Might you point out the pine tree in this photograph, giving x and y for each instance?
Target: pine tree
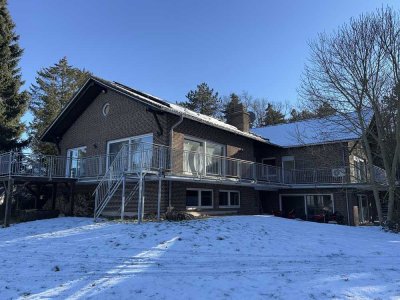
(300, 115)
(54, 87)
(233, 104)
(13, 102)
(273, 115)
(203, 100)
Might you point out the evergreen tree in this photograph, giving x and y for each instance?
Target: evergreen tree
(324, 110)
(300, 115)
(233, 104)
(273, 115)
(13, 102)
(203, 100)
(54, 87)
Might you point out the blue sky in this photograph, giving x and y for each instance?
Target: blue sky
(166, 48)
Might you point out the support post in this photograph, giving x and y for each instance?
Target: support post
(71, 197)
(140, 198)
(53, 196)
(96, 197)
(9, 192)
(143, 196)
(355, 216)
(159, 200)
(123, 198)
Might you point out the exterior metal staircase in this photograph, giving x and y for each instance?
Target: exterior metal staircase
(110, 183)
(114, 207)
(120, 185)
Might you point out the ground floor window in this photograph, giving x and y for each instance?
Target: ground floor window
(229, 198)
(199, 198)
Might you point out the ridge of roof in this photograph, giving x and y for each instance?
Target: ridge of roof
(163, 105)
(329, 129)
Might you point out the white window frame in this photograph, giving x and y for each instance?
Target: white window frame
(199, 198)
(129, 139)
(69, 162)
(204, 153)
(360, 197)
(357, 171)
(265, 172)
(229, 199)
(284, 159)
(305, 200)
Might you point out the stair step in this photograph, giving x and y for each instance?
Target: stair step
(118, 214)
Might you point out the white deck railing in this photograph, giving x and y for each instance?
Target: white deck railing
(180, 163)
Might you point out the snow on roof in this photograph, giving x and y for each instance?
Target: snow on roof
(179, 110)
(315, 131)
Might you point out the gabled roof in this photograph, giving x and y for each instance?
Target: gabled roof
(315, 131)
(94, 86)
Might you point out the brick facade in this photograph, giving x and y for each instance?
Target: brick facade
(128, 117)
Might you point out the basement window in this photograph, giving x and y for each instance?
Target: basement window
(229, 198)
(199, 198)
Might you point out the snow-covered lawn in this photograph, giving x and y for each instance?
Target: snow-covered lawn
(240, 257)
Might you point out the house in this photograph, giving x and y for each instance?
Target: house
(133, 154)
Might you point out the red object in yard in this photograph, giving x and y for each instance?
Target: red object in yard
(291, 214)
(277, 213)
(318, 218)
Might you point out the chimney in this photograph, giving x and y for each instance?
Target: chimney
(237, 115)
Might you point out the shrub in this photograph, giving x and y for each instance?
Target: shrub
(174, 215)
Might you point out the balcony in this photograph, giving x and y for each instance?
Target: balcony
(178, 164)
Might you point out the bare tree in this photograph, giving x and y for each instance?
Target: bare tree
(348, 71)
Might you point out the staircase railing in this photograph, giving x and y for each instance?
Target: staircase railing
(110, 182)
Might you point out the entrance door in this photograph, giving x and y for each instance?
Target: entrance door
(288, 166)
(293, 205)
(75, 164)
(363, 209)
(193, 157)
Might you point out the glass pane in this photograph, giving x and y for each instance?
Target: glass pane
(114, 148)
(223, 199)
(206, 198)
(213, 158)
(192, 198)
(75, 166)
(141, 151)
(288, 167)
(319, 204)
(192, 157)
(234, 198)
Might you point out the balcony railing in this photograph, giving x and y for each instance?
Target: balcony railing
(181, 163)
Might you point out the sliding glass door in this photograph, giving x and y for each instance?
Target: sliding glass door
(139, 151)
(202, 157)
(193, 157)
(214, 154)
(75, 165)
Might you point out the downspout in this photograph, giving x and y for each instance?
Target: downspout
(171, 136)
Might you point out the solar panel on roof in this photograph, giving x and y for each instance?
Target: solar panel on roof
(155, 99)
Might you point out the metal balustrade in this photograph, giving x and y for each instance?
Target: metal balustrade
(169, 161)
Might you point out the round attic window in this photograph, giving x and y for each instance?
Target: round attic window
(106, 109)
